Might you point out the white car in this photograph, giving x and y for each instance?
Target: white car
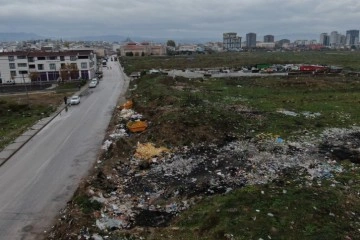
(95, 80)
(92, 84)
(74, 100)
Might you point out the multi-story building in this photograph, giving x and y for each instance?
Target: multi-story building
(231, 42)
(142, 49)
(334, 39)
(281, 42)
(352, 37)
(27, 66)
(251, 40)
(325, 39)
(269, 38)
(342, 40)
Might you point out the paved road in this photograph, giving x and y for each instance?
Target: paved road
(40, 178)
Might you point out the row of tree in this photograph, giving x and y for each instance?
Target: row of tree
(67, 71)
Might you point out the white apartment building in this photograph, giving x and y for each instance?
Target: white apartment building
(21, 66)
(231, 42)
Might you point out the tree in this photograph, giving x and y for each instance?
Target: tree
(64, 72)
(69, 71)
(171, 43)
(34, 76)
(74, 71)
(66, 44)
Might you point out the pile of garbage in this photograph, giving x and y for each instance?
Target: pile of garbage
(157, 183)
(129, 121)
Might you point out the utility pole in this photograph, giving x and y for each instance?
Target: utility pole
(27, 94)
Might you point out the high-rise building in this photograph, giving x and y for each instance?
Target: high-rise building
(251, 40)
(269, 38)
(352, 37)
(334, 39)
(342, 40)
(231, 42)
(325, 39)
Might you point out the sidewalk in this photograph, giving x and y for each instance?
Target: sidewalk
(25, 137)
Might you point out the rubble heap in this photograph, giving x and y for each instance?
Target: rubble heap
(151, 193)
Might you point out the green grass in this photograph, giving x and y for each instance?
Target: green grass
(347, 60)
(181, 110)
(291, 210)
(244, 105)
(86, 205)
(70, 86)
(16, 118)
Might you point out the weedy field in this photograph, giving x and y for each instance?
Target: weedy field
(251, 157)
(20, 111)
(348, 60)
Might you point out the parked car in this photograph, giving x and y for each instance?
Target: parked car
(95, 80)
(74, 100)
(9, 82)
(93, 84)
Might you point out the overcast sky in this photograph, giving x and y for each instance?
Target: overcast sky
(177, 18)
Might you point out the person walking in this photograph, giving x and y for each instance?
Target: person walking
(65, 100)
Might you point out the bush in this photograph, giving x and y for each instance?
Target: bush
(86, 205)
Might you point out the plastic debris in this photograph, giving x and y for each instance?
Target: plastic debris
(127, 105)
(137, 126)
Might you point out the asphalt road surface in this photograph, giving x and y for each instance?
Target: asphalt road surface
(40, 178)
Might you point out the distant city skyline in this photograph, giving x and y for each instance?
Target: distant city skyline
(177, 19)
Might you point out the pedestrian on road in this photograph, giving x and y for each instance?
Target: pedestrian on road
(79, 86)
(65, 100)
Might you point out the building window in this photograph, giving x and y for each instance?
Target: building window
(41, 58)
(22, 64)
(30, 59)
(12, 65)
(13, 73)
(40, 66)
(11, 58)
(53, 58)
(52, 66)
(73, 58)
(62, 58)
(23, 72)
(84, 65)
(32, 66)
(21, 57)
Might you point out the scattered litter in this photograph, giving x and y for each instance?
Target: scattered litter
(127, 105)
(288, 113)
(106, 145)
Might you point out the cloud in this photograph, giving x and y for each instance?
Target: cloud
(177, 18)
